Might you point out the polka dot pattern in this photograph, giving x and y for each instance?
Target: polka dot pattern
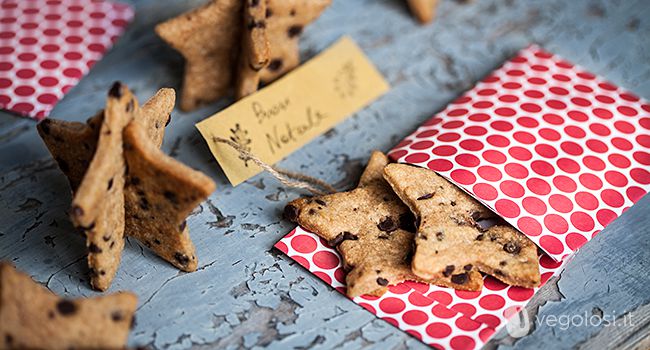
(556, 151)
(46, 47)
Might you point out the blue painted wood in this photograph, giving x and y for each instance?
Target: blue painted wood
(245, 294)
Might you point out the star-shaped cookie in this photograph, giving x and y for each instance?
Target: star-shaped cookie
(32, 317)
(256, 38)
(370, 228)
(456, 232)
(423, 10)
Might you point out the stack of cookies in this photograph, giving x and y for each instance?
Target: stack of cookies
(124, 185)
(407, 223)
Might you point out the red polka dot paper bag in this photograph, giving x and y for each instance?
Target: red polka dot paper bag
(556, 151)
(47, 46)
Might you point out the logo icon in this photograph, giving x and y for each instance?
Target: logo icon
(519, 324)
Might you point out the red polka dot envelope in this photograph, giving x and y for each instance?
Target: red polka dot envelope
(557, 152)
(47, 46)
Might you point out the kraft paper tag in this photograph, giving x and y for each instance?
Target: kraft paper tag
(287, 114)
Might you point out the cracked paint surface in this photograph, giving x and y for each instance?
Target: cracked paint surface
(244, 293)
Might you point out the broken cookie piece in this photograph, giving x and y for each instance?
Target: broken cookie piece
(423, 10)
(369, 227)
(32, 317)
(457, 233)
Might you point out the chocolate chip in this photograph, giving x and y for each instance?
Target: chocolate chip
(503, 263)
(110, 184)
(467, 267)
(452, 203)
(106, 238)
(256, 24)
(499, 272)
(182, 225)
(116, 316)
(269, 12)
(102, 272)
(157, 241)
(116, 90)
(111, 245)
(421, 236)
(92, 272)
(181, 258)
(459, 279)
(345, 235)
(169, 119)
(493, 237)
(135, 180)
(512, 248)
(275, 64)
(387, 225)
(77, 211)
(440, 235)
(293, 12)
(407, 222)
(382, 281)
(448, 270)
(426, 196)
(171, 196)
(144, 203)
(63, 165)
(45, 126)
(294, 31)
(321, 202)
(255, 3)
(291, 213)
(66, 307)
(133, 322)
(9, 339)
(311, 211)
(480, 237)
(93, 248)
(50, 314)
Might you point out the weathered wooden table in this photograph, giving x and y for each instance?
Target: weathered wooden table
(246, 294)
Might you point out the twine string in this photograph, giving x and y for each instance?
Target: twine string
(288, 178)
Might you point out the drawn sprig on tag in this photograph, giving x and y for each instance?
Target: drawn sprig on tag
(240, 136)
(345, 80)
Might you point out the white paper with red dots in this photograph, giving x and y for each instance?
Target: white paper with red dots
(556, 151)
(47, 46)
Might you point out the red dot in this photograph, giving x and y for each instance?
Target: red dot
(520, 294)
(464, 294)
(340, 274)
(396, 155)
(475, 130)
(479, 117)
(612, 198)
(512, 85)
(586, 200)
(615, 178)
(492, 302)
(464, 308)
(507, 208)
(391, 305)
(485, 334)
(582, 221)
(515, 72)
(579, 101)
(571, 148)
(549, 134)
(586, 76)
(629, 97)
(432, 121)
(418, 299)
(627, 111)
(323, 276)
(426, 133)
(99, 48)
(560, 203)
(597, 146)
(618, 160)
(501, 125)
(302, 261)
(4, 100)
(593, 163)
(516, 170)
(372, 309)
(486, 92)
(49, 64)
(538, 186)
(556, 224)
(453, 124)
(440, 165)
(575, 240)
(48, 99)
(441, 297)
(512, 189)
(326, 260)
(401, 288)
(529, 226)
(492, 283)
(546, 151)
(643, 140)
(498, 140)
(548, 263)
(444, 150)
(520, 153)
(457, 112)
(508, 98)
(494, 157)
(591, 181)
(485, 191)
(528, 122)
(421, 145)
(482, 104)
(605, 216)
(578, 116)
(416, 158)
(555, 104)
(448, 137)
(542, 168)
(531, 107)
(467, 324)
(602, 113)
(553, 119)
(489, 173)
(442, 312)
(599, 129)
(23, 107)
(462, 342)
(505, 111)
(303, 244)
(564, 183)
(575, 131)
(489, 320)
(463, 177)
(524, 137)
(635, 193)
(24, 90)
(622, 144)
(624, 127)
(642, 157)
(551, 245)
(471, 145)
(438, 330)
(72, 73)
(559, 91)
(415, 317)
(537, 81)
(561, 77)
(467, 160)
(534, 205)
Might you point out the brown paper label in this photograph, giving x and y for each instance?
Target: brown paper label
(287, 114)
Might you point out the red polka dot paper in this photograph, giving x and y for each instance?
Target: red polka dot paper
(47, 46)
(555, 150)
